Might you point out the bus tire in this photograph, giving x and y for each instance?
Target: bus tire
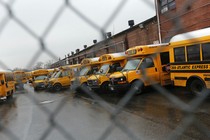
(139, 90)
(57, 87)
(196, 86)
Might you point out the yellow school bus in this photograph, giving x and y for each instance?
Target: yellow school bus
(145, 63)
(88, 67)
(20, 77)
(51, 75)
(63, 77)
(39, 77)
(7, 84)
(190, 60)
(109, 64)
(28, 75)
(52, 71)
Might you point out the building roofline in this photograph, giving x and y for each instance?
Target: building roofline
(126, 30)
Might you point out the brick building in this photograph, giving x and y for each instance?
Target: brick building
(179, 16)
(175, 17)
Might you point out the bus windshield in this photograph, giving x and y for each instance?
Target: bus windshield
(58, 74)
(75, 71)
(103, 69)
(83, 71)
(132, 64)
(53, 75)
(42, 77)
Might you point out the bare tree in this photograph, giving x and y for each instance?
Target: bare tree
(48, 64)
(38, 65)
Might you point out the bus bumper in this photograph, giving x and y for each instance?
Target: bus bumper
(119, 87)
(40, 86)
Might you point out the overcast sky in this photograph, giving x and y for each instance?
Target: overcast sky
(17, 46)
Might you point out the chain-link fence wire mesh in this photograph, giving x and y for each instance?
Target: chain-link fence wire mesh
(188, 108)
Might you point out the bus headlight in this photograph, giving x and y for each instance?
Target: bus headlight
(95, 82)
(121, 80)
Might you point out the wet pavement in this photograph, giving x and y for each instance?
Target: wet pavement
(66, 115)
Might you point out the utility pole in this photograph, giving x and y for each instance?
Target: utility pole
(158, 21)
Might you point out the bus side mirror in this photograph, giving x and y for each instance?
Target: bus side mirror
(2, 82)
(95, 69)
(166, 68)
(118, 68)
(101, 70)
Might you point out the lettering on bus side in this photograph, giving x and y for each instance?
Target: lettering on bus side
(200, 67)
(187, 67)
(191, 67)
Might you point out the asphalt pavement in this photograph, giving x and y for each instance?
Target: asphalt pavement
(65, 115)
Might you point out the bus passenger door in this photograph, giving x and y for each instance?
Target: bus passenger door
(165, 69)
(65, 78)
(151, 70)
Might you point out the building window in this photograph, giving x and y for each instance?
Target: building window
(166, 5)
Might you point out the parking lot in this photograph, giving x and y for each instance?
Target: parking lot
(67, 115)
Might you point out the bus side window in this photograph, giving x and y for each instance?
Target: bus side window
(164, 58)
(206, 51)
(93, 70)
(193, 52)
(179, 54)
(147, 63)
(113, 67)
(65, 73)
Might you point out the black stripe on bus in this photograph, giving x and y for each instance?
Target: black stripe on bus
(190, 71)
(192, 62)
(180, 78)
(207, 79)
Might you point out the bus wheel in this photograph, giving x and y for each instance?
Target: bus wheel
(57, 87)
(196, 86)
(138, 86)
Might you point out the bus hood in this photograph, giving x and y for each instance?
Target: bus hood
(94, 77)
(117, 74)
(52, 79)
(39, 81)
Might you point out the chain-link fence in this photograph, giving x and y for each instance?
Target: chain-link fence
(188, 109)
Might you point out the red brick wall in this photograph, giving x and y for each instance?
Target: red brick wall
(147, 35)
(185, 18)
